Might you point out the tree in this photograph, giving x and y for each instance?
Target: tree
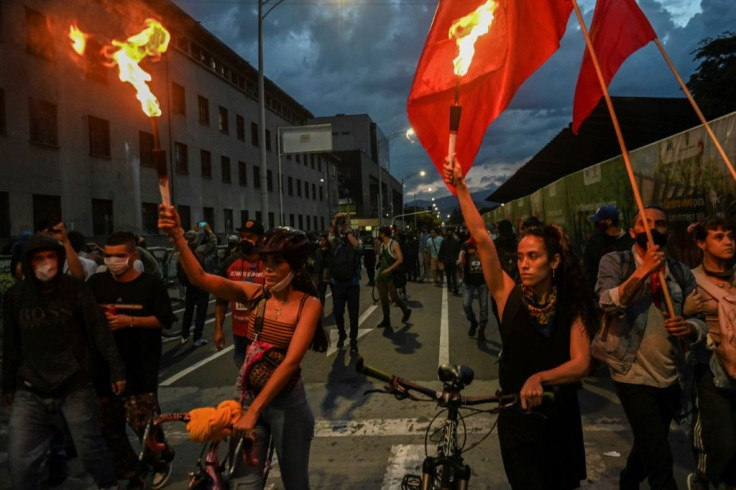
(713, 84)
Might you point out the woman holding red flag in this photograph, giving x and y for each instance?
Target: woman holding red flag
(544, 325)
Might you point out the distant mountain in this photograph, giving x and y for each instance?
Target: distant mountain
(447, 204)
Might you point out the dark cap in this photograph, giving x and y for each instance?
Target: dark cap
(605, 212)
(252, 226)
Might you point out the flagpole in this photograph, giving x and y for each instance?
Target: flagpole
(624, 151)
(689, 96)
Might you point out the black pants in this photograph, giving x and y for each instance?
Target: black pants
(649, 411)
(717, 429)
(350, 294)
(451, 274)
(198, 298)
(369, 261)
(412, 267)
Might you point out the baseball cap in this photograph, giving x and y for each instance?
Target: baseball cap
(252, 226)
(605, 212)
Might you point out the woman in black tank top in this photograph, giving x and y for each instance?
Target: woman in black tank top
(546, 344)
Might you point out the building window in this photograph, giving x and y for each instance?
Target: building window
(102, 221)
(271, 220)
(181, 158)
(205, 158)
(95, 69)
(306, 190)
(99, 137)
(225, 165)
(256, 177)
(185, 213)
(243, 217)
(4, 214)
(3, 128)
(46, 211)
(314, 220)
(268, 140)
(44, 129)
(240, 127)
(145, 148)
(242, 174)
(228, 215)
(291, 220)
(178, 99)
(298, 159)
(322, 222)
(290, 185)
(299, 187)
(222, 120)
(311, 161)
(39, 40)
(314, 192)
(259, 217)
(254, 133)
(149, 215)
(269, 180)
(208, 215)
(301, 222)
(321, 194)
(319, 164)
(204, 110)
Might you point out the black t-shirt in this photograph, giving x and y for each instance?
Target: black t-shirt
(599, 245)
(472, 268)
(139, 347)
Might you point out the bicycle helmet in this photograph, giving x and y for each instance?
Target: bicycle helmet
(290, 244)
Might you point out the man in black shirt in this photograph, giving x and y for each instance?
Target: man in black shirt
(137, 307)
(607, 238)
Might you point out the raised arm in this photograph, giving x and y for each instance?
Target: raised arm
(499, 283)
(169, 223)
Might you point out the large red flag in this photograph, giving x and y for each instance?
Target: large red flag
(524, 33)
(619, 28)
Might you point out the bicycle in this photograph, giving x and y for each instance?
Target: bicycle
(212, 473)
(446, 470)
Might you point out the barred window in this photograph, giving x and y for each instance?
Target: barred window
(205, 158)
(44, 129)
(181, 158)
(99, 137)
(204, 110)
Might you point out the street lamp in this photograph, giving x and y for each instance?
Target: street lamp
(262, 106)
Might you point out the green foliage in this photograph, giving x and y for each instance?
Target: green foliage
(714, 82)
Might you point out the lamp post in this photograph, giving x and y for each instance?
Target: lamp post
(408, 134)
(262, 107)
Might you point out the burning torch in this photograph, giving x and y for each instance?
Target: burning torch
(466, 31)
(151, 42)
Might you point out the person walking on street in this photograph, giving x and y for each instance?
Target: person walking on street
(390, 259)
(369, 258)
(424, 271)
(474, 282)
(52, 332)
(434, 242)
(345, 277)
(195, 298)
(607, 238)
(449, 252)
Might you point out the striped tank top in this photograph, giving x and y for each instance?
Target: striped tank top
(274, 332)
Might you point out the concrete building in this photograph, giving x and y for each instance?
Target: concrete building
(75, 144)
(360, 145)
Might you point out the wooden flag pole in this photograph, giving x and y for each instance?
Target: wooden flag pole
(689, 96)
(624, 151)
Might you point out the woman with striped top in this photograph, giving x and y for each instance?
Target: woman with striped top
(292, 323)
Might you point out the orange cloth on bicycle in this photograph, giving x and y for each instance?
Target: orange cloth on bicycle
(213, 424)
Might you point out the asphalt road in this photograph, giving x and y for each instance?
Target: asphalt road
(370, 441)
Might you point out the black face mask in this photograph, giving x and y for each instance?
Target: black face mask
(659, 239)
(246, 247)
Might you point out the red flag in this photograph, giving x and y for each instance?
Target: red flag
(619, 28)
(524, 33)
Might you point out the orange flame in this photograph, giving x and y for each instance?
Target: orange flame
(78, 38)
(466, 31)
(150, 42)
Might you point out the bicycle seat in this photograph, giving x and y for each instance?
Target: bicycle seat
(456, 374)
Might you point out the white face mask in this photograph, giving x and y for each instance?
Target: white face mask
(46, 270)
(116, 265)
(283, 283)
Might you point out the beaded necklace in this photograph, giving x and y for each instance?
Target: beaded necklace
(541, 314)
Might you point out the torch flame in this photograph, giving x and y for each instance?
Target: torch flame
(466, 31)
(78, 38)
(152, 41)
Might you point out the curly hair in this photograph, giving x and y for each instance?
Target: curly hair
(573, 295)
(699, 229)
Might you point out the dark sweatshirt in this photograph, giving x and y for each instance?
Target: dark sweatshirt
(52, 329)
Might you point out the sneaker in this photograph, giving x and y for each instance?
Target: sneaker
(407, 314)
(341, 340)
(694, 482)
(481, 333)
(183, 340)
(353, 347)
(472, 329)
(384, 324)
(199, 343)
(161, 474)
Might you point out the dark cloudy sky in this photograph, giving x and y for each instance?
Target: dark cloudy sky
(359, 56)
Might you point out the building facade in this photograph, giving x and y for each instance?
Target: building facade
(75, 144)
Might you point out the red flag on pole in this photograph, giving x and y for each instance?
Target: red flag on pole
(524, 33)
(619, 28)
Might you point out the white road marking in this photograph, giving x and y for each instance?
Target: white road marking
(166, 340)
(361, 331)
(444, 331)
(181, 310)
(198, 365)
(404, 459)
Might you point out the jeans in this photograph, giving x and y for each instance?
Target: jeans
(289, 421)
(718, 426)
(350, 294)
(200, 299)
(649, 411)
(34, 420)
(386, 289)
(468, 291)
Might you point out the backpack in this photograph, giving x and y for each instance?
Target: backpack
(344, 262)
(726, 350)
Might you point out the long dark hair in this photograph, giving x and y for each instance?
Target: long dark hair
(573, 297)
